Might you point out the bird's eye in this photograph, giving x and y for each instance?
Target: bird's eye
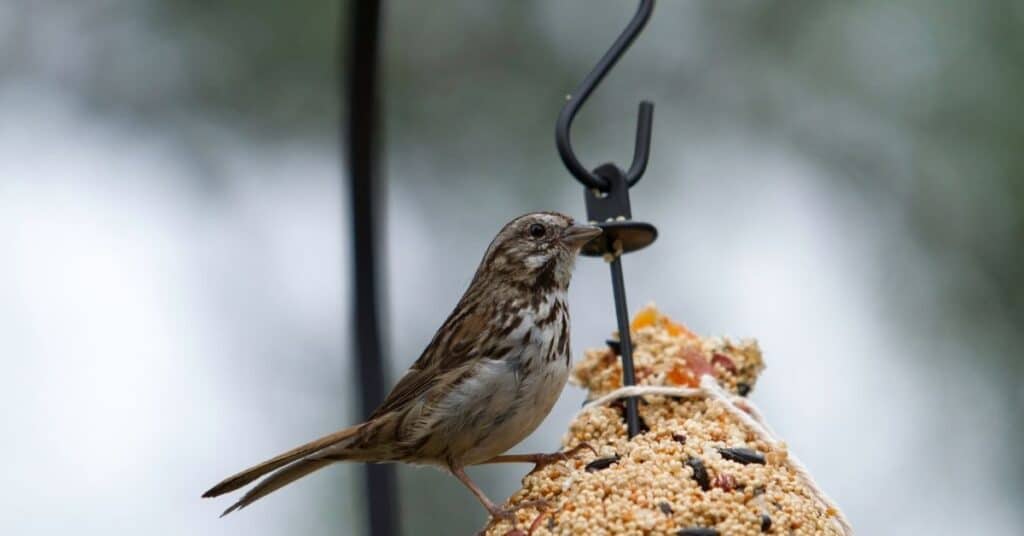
(537, 230)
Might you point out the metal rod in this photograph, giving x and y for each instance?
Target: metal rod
(565, 118)
(362, 152)
(625, 345)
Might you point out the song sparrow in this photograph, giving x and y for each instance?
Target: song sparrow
(487, 379)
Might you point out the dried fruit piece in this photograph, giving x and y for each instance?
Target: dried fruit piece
(700, 473)
(665, 507)
(766, 523)
(646, 317)
(601, 463)
(743, 388)
(724, 361)
(678, 330)
(697, 363)
(742, 455)
(682, 376)
(726, 482)
(697, 531)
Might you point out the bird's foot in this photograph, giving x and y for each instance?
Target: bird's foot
(537, 520)
(541, 461)
(509, 514)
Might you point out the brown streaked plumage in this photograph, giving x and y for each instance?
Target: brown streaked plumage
(487, 379)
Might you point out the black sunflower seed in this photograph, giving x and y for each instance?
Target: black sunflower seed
(665, 507)
(642, 425)
(601, 463)
(679, 438)
(697, 531)
(743, 388)
(766, 523)
(742, 455)
(614, 345)
(700, 473)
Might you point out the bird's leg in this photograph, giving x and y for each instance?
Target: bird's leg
(496, 511)
(540, 461)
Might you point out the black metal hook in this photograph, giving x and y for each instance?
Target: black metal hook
(606, 191)
(642, 149)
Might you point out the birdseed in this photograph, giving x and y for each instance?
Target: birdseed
(653, 484)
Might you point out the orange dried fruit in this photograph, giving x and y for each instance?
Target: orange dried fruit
(678, 330)
(647, 316)
(682, 376)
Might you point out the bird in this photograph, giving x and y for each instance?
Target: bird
(486, 380)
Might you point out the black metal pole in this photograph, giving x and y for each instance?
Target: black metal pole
(362, 151)
(625, 344)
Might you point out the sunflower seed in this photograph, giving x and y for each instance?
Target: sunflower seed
(697, 531)
(766, 523)
(700, 473)
(742, 455)
(665, 507)
(601, 463)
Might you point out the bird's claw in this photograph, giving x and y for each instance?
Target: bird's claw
(544, 460)
(509, 514)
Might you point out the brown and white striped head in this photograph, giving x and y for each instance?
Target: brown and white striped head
(536, 251)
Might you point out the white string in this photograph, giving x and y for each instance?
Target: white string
(743, 410)
(642, 390)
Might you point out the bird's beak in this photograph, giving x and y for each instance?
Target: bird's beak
(577, 235)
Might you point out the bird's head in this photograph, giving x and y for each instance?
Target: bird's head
(537, 250)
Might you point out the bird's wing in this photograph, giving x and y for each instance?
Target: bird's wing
(456, 343)
(412, 385)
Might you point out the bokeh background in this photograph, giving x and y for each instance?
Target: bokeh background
(840, 180)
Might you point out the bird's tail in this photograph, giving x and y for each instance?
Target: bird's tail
(287, 468)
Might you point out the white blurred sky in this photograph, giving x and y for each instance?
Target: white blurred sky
(156, 336)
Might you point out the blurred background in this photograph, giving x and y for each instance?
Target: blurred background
(840, 180)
